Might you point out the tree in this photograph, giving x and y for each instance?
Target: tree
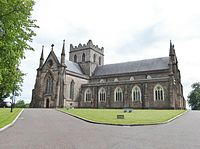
(20, 104)
(16, 32)
(27, 105)
(194, 97)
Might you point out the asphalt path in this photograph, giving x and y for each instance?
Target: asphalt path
(51, 129)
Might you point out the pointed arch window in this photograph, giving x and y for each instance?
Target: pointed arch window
(83, 57)
(102, 95)
(49, 85)
(118, 95)
(75, 58)
(158, 92)
(99, 60)
(72, 90)
(88, 95)
(136, 94)
(94, 57)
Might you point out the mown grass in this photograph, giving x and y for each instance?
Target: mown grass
(7, 117)
(136, 117)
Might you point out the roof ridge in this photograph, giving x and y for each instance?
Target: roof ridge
(133, 66)
(134, 61)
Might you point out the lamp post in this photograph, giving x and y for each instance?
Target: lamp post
(12, 102)
(14, 88)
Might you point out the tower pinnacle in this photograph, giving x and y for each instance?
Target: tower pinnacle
(63, 49)
(63, 54)
(171, 49)
(41, 57)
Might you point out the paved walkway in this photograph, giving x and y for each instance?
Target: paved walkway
(50, 129)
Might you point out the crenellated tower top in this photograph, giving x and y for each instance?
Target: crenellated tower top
(88, 56)
(89, 45)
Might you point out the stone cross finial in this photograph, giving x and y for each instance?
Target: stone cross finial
(52, 46)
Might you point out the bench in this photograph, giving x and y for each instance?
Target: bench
(120, 116)
(128, 110)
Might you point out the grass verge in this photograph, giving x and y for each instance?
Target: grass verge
(137, 117)
(6, 117)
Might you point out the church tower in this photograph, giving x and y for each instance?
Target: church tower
(88, 56)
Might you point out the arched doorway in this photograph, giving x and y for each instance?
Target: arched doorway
(47, 103)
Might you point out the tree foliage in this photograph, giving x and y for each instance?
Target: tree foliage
(16, 32)
(20, 104)
(194, 97)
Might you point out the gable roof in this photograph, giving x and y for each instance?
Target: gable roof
(134, 66)
(53, 56)
(73, 67)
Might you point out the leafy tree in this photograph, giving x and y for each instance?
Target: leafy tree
(194, 97)
(20, 104)
(27, 105)
(16, 32)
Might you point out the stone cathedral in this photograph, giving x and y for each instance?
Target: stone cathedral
(84, 81)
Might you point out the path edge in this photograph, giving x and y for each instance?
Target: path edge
(12, 123)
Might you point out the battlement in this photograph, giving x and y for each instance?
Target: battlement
(86, 46)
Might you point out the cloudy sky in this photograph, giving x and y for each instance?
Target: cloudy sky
(128, 30)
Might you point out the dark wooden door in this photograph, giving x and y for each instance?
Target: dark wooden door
(47, 103)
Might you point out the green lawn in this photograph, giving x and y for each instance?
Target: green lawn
(136, 117)
(7, 117)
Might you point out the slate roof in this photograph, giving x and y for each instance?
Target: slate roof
(74, 67)
(134, 66)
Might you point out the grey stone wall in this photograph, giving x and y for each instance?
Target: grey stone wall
(39, 96)
(77, 87)
(126, 84)
(79, 55)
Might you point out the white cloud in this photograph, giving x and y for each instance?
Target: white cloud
(128, 30)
